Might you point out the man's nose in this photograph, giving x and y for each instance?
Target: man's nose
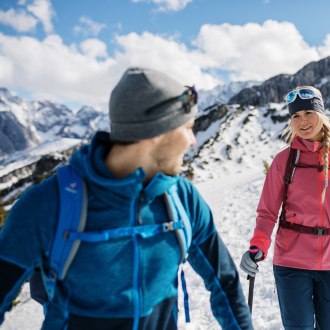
(192, 139)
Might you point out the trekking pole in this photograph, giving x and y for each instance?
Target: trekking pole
(251, 289)
(251, 284)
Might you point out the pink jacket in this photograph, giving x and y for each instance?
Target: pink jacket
(304, 206)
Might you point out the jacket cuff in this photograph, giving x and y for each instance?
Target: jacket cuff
(261, 241)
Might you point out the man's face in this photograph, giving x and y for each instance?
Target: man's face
(169, 151)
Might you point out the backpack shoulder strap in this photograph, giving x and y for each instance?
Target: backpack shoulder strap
(71, 217)
(290, 168)
(291, 164)
(177, 212)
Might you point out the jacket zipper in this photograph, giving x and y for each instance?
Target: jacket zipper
(321, 223)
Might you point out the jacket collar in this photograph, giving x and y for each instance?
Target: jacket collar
(305, 145)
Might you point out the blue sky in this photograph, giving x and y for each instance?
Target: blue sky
(73, 52)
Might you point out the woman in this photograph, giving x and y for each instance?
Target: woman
(302, 245)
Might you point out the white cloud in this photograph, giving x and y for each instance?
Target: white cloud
(75, 73)
(88, 27)
(43, 10)
(325, 48)
(168, 5)
(94, 48)
(6, 69)
(254, 51)
(166, 55)
(84, 73)
(50, 69)
(18, 20)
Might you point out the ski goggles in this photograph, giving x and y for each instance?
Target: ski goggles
(188, 99)
(304, 94)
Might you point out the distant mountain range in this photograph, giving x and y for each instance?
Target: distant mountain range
(28, 124)
(238, 123)
(222, 94)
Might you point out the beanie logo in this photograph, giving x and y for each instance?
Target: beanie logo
(317, 105)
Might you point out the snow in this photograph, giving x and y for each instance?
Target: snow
(233, 200)
(13, 103)
(28, 156)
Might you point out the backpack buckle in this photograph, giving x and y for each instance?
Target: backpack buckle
(52, 275)
(319, 231)
(287, 179)
(169, 226)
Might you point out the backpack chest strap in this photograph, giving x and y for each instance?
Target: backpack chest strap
(143, 231)
(318, 167)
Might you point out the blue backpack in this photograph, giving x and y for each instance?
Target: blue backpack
(70, 233)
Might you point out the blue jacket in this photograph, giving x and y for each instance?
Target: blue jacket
(113, 283)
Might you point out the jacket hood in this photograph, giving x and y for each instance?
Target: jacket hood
(89, 163)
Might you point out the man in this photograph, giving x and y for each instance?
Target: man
(128, 282)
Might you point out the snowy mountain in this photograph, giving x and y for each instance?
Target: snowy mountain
(55, 120)
(24, 124)
(37, 136)
(28, 124)
(247, 136)
(16, 132)
(221, 94)
(237, 132)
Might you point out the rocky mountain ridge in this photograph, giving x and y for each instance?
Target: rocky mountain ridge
(272, 90)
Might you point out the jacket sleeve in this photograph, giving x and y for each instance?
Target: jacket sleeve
(210, 258)
(24, 240)
(269, 203)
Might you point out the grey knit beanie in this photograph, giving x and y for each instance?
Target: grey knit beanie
(146, 103)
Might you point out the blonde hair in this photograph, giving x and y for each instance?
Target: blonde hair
(288, 135)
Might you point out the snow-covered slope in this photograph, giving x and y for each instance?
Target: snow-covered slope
(242, 140)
